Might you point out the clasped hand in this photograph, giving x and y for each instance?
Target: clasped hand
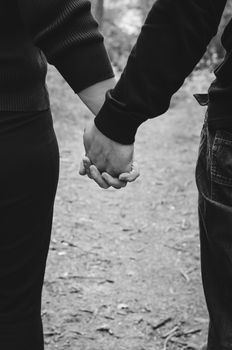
(107, 162)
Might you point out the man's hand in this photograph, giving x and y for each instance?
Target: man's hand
(108, 163)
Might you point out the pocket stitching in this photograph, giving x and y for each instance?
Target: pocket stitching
(215, 176)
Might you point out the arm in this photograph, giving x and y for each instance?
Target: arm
(68, 35)
(172, 41)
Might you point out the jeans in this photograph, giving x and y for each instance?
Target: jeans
(28, 182)
(214, 182)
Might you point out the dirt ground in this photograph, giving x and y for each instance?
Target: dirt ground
(123, 269)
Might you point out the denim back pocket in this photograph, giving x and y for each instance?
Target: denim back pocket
(221, 168)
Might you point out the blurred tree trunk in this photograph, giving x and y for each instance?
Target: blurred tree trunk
(99, 12)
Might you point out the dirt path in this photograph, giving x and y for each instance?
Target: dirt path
(123, 268)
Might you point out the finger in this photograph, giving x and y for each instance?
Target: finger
(82, 170)
(96, 176)
(113, 181)
(132, 175)
(87, 164)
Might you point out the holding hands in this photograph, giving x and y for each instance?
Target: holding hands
(107, 162)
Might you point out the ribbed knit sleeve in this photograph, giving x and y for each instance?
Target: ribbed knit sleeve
(172, 41)
(68, 35)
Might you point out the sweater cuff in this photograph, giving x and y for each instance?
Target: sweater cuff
(84, 66)
(117, 124)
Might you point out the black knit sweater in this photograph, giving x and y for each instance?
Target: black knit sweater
(172, 41)
(62, 32)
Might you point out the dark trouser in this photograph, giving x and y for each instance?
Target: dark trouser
(29, 167)
(214, 181)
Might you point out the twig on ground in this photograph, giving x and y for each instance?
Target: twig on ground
(70, 244)
(175, 334)
(98, 279)
(170, 336)
(179, 249)
(160, 324)
(192, 331)
(185, 275)
(173, 330)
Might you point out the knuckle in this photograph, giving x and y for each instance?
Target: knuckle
(105, 187)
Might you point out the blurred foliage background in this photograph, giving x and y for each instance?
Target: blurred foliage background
(121, 21)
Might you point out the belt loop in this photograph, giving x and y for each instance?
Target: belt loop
(202, 99)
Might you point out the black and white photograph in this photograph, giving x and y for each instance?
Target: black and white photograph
(116, 175)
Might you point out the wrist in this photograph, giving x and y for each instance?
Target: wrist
(116, 122)
(94, 96)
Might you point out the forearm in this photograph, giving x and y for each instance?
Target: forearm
(172, 41)
(94, 96)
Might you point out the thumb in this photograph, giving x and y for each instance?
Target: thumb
(132, 175)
